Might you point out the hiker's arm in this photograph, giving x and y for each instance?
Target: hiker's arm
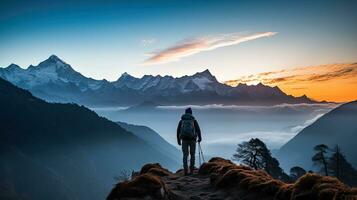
(198, 131)
(178, 133)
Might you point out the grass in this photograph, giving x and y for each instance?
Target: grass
(257, 184)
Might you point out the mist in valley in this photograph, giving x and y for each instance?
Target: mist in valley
(223, 127)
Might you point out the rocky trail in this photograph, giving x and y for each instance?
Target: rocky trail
(193, 187)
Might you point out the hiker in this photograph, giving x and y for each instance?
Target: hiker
(188, 132)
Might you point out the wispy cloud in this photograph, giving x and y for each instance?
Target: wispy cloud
(194, 46)
(331, 82)
(310, 74)
(148, 42)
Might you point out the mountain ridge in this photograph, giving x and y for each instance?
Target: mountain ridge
(56, 81)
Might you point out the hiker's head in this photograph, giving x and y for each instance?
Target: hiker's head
(188, 111)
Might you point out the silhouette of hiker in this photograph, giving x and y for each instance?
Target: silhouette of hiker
(188, 131)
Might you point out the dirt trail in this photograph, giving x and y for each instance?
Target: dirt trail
(192, 187)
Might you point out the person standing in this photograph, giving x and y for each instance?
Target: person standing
(188, 133)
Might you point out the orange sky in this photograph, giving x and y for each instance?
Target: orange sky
(331, 82)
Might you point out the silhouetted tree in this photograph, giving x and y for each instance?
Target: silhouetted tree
(335, 162)
(340, 168)
(251, 153)
(255, 154)
(296, 172)
(320, 157)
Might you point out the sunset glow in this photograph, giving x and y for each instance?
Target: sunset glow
(331, 82)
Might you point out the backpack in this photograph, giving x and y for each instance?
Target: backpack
(188, 128)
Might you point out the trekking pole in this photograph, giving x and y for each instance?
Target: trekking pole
(201, 152)
(199, 155)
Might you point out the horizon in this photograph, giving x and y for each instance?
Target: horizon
(233, 83)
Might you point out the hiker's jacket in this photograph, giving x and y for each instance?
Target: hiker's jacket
(197, 129)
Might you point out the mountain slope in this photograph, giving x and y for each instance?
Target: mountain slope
(153, 138)
(338, 127)
(54, 80)
(65, 148)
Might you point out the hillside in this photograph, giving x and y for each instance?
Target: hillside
(338, 127)
(74, 152)
(56, 81)
(221, 179)
(153, 138)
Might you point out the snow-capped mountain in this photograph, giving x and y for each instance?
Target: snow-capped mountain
(202, 81)
(55, 80)
(52, 70)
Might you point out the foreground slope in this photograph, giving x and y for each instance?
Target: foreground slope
(222, 179)
(62, 151)
(338, 127)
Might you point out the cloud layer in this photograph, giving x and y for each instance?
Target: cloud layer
(332, 82)
(193, 46)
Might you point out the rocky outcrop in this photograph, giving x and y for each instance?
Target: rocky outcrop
(222, 179)
(242, 182)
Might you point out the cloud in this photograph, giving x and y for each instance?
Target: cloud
(194, 46)
(148, 42)
(331, 82)
(301, 106)
(312, 74)
(298, 128)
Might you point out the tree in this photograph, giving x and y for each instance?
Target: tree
(340, 168)
(255, 154)
(335, 162)
(320, 157)
(251, 153)
(296, 172)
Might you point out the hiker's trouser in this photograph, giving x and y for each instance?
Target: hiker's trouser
(188, 146)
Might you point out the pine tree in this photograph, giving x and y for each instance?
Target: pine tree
(320, 157)
(251, 153)
(341, 168)
(255, 154)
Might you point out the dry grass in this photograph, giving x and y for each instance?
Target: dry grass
(147, 185)
(240, 182)
(228, 176)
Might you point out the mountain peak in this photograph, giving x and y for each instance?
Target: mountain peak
(54, 58)
(53, 61)
(206, 73)
(13, 66)
(125, 76)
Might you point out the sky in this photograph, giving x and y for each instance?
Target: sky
(233, 39)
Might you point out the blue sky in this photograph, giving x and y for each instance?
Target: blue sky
(103, 39)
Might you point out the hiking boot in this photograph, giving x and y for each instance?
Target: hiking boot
(185, 173)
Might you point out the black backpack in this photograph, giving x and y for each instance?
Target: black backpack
(188, 127)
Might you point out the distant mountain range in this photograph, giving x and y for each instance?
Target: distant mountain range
(56, 81)
(338, 127)
(72, 151)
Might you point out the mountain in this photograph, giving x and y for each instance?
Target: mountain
(52, 79)
(63, 151)
(153, 138)
(338, 127)
(56, 81)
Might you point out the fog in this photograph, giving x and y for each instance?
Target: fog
(223, 127)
